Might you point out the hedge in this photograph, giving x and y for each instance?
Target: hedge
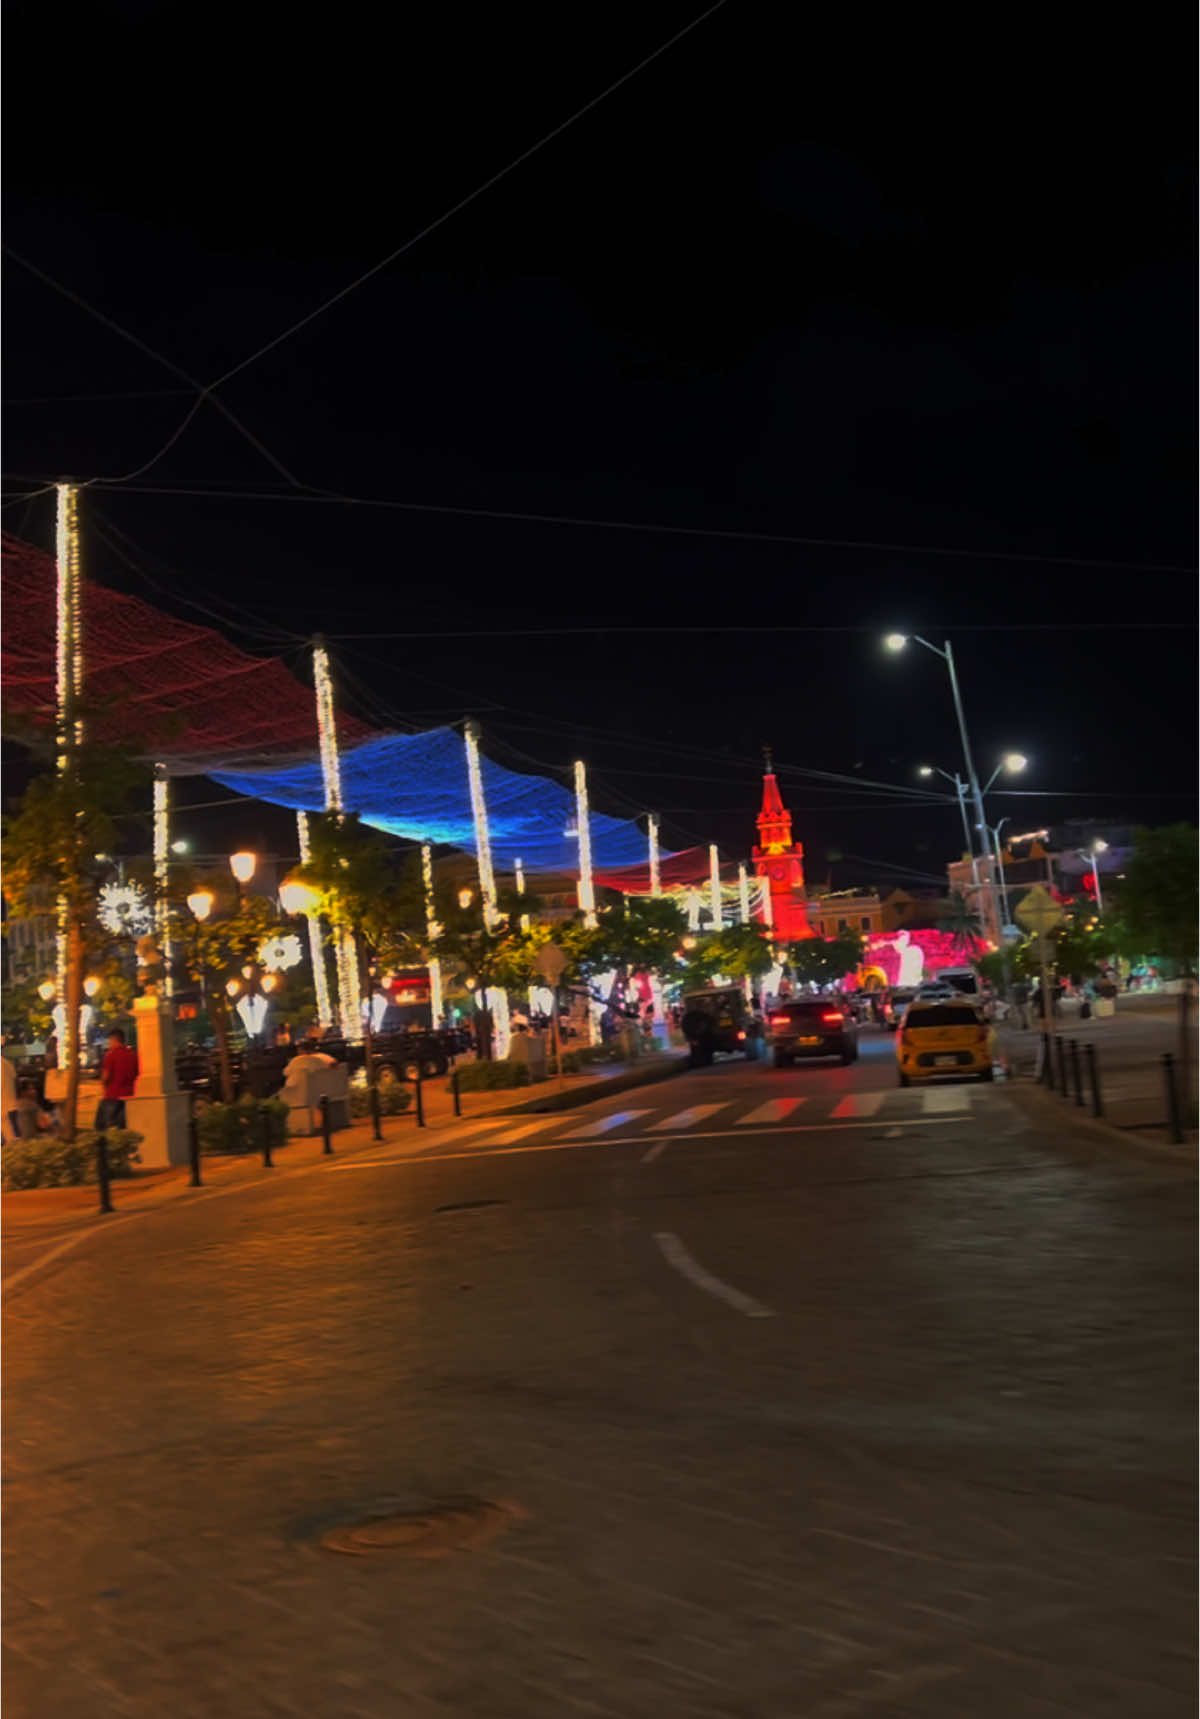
(238, 1128)
(394, 1099)
(50, 1162)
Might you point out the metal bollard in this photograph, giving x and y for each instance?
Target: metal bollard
(102, 1175)
(194, 1146)
(1173, 1117)
(455, 1092)
(376, 1113)
(1062, 1067)
(1089, 1051)
(326, 1129)
(264, 1137)
(1076, 1072)
(420, 1104)
(1046, 1072)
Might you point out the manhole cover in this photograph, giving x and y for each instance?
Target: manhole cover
(432, 1533)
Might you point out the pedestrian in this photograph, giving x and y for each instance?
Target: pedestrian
(30, 1116)
(8, 1099)
(119, 1074)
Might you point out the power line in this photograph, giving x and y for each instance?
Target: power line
(471, 197)
(313, 496)
(76, 399)
(202, 393)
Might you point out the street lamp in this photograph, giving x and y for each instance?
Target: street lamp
(465, 898)
(296, 896)
(960, 789)
(91, 985)
(46, 990)
(181, 847)
(897, 642)
(200, 903)
(243, 865)
(1012, 763)
(1097, 848)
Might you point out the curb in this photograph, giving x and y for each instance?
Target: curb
(1042, 1106)
(606, 1088)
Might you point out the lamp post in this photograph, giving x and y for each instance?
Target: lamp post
(1096, 849)
(897, 642)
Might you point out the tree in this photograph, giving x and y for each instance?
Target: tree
(1157, 901)
(215, 950)
(825, 960)
(53, 841)
(959, 919)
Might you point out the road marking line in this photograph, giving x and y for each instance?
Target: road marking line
(859, 1104)
(652, 1154)
(511, 1134)
(16, 1277)
(774, 1110)
(675, 1254)
(425, 1158)
(686, 1118)
(618, 1119)
(937, 1100)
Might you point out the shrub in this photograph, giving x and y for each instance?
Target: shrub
(394, 1099)
(239, 1128)
(491, 1076)
(49, 1162)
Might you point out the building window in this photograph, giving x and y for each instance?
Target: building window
(866, 923)
(843, 925)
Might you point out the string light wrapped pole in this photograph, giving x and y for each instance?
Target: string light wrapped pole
(162, 849)
(714, 886)
(495, 1001)
(68, 692)
(652, 838)
(433, 931)
(519, 874)
(316, 937)
(345, 952)
(583, 823)
(744, 919)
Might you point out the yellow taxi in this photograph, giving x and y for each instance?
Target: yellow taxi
(944, 1038)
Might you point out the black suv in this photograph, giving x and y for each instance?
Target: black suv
(720, 1020)
(808, 1027)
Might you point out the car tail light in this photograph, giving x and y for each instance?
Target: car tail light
(741, 1035)
(779, 1020)
(833, 1016)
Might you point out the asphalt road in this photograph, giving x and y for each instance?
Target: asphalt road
(811, 1396)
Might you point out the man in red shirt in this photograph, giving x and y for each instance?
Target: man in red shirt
(119, 1073)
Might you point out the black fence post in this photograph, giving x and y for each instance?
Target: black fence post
(264, 1137)
(1174, 1120)
(193, 1143)
(1089, 1050)
(326, 1128)
(457, 1095)
(1062, 1067)
(102, 1175)
(1076, 1072)
(420, 1102)
(376, 1112)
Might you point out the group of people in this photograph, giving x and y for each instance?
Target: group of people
(24, 1113)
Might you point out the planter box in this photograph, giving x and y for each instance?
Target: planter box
(1103, 1007)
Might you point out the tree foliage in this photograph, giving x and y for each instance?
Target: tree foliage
(1157, 899)
(825, 960)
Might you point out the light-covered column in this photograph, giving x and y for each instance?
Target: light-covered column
(519, 873)
(652, 839)
(693, 909)
(714, 886)
(162, 850)
(743, 895)
(68, 691)
(345, 947)
(483, 840)
(316, 936)
(433, 931)
(587, 891)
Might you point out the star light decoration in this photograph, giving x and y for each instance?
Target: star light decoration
(123, 910)
(279, 953)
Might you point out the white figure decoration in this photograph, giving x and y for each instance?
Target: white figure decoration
(123, 910)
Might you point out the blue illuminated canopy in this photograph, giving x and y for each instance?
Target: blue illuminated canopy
(415, 785)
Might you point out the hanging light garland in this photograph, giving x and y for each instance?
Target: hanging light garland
(123, 910)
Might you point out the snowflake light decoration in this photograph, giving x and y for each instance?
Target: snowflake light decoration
(279, 953)
(123, 910)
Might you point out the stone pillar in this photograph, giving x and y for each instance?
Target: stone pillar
(158, 1111)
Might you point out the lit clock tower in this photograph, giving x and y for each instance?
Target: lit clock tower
(780, 860)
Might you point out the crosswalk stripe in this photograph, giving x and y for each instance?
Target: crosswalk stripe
(774, 1110)
(937, 1100)
(859, 1104)
(512, 1134)
(685, 1118)
(606, 1124)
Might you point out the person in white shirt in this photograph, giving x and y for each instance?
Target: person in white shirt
(8, 1100)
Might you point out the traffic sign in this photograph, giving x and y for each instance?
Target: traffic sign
(1039, 912)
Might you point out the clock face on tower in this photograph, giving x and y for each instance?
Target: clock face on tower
(779, 872)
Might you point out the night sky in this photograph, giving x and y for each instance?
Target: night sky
(914, 290)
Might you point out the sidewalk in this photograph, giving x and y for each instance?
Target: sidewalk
(44, 1213)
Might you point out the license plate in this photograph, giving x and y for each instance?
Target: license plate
(808, 1041)
(945, 1062)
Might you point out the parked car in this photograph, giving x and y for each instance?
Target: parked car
(804, 1029)
(720, 1020)
(938, 1039)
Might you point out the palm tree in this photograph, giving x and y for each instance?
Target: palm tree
(959, 918)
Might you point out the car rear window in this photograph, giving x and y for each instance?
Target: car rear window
(818, 1006)
(943, 1015)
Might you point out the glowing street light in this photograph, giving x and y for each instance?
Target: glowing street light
(296, 896)
(243, 866)
(91, 985)
(46, 990)
(233, 986)
(200, 903)
(465, 898)
(896, 641)
(181, 846)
